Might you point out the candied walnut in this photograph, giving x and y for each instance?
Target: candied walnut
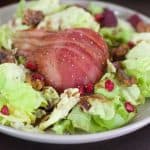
(124, 78)
(32, 17)
(6, 56)
(120, 52)
(143, 27)
(122, 75)
(84, 104)
(36, 83)
(117, 65)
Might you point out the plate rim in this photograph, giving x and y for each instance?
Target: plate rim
(82, 138)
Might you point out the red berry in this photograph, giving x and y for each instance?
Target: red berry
(5, 110)
(31, 66)
(129, 107)
(89, 88)
(81, 89)
(109, 85)
(37, 76)
(98, 17)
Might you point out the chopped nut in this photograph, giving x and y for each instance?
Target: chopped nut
(32, 17)
(117, 65)
(124, 78)
(36, 84)
(6, 56)
(120, 52)
(84, 104)
(143, 27)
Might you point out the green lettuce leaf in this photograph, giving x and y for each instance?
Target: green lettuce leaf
(138, 37)
(100, 86)
(101, 106)
(140, 68)
(68, 100)
(138, 65)
(19, 25)
(21, 99)
(20, 9)
(83, 121)
(133, 94)
(115, 113)
(120, 34)
(72, 17)
(127, 93)
(6, 34)
(141, 50)
(94, 8)
(104, 114)
(51, 95)
(63, 126)
(46, 6)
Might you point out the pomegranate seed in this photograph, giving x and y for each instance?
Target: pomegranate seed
(81, 89)
(37, 76)
(5, 110)
(98, 17)
(134, 20)
(109, 19)
(89, 88)
(109, 85)
(31, 66)
(129, 107)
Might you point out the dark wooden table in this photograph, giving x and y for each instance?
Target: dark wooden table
(139, 140)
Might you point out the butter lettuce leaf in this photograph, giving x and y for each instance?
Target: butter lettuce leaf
(143, 36)
(140, 68)
(6, 34)
(137, 64)
(104, 114)
(116, 35)
(64, 126)
(94, 8)
(68, 100)
(141, 50)
(21, 99)
(46, 6)
(72, 17)
(83, 121)
(132, 93)
(20, 9)
(100, 86)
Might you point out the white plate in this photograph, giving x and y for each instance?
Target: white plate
(141, 120)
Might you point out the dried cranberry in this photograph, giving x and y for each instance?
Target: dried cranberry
(37, 76)
(129, 107)
(31, 66)
(134, 20)
(89, 88)
(109, 85)
(81, 89)
(98, 17)
(5, 110)
(109, 19)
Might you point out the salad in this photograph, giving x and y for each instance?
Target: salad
(70, 69)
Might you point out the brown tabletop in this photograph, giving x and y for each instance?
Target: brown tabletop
(139, 140)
